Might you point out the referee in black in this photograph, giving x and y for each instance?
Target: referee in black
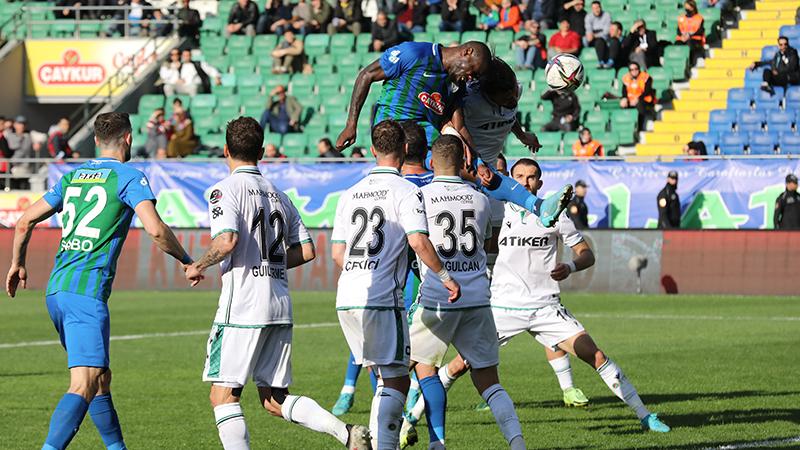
(787, 206)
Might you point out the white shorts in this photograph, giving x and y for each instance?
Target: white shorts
(235, 354)
(376, 337)
(497, 212)
(471, 331)
(550, 325)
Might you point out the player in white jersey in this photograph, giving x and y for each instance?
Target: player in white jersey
(459, 223)
(526, 294)
(376, 221)
(257, 235)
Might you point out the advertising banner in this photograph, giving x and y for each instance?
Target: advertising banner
(77, 68)
(718, 194)
(13, 204)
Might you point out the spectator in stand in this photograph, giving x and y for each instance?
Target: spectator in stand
(301, 16)
(510, 16)
(695, 148)
(139, 14)
(57, 142)
(66, 12)
(586, 146)
(321, 14)
(276, 18)
(162, 27)
(182, 141)
(411, 15)
(529, 50)
(384, 33)
(189, 24)
(784, 68)
(566, 110)
(181, 75)
(669, 204)
(542, 11)
(282, 113)
(158, 135)
(326, 150)
(597, 26)
(641, 45)
(271, 151)
(5, 149)
(21, 145)
(787, 206)
(242, 19)
(638, 92)
(455, 16)
(288, 56)
(577, 209)
(691, 31)
(575, 13)
(565, 41)
(346, 17)
(357, 152)
(614, 56)
(489, 17)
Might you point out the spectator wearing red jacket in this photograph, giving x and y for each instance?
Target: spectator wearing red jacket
(510, 16)
(565, 41)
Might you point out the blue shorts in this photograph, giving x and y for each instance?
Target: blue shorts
(83, 326)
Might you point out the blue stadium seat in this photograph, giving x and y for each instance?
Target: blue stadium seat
(763, 143)
(711, 139)
(754, 78)
(740, 98)
(790, 143)
(773, 104)
(766, 96)
(750, 120)
(792, 32)
(722, 116)
(792, 100)
(768, 52)
(780, 121)
(733, 143)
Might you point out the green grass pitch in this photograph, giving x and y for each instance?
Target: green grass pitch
(719, 370)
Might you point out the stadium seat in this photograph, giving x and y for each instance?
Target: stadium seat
(294, 144)
(773, 104)
(479, 36)
(602, 80)
(447, 37)
(610, 140)
(149, 102)
(789, 143)
(762, 143)
(750, 120)
(500, 40)
(342, 44)
(780, 121)
(239, 44)
(263, 44)
(363, 44)
(206, 124)
(316, 44)
(792, 99)
(768, 52)
(740, 98)
(732, 143)
(550, 142)
(273, 138)
(249, 85)
(792, 32)
(754, 78)
(710, 139)
(596, 120)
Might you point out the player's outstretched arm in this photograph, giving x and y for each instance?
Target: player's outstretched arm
(299, 254)
(422, 246)
(368, 75)
(161, 234)
(584, 258)
(222, 246)
(17, 274)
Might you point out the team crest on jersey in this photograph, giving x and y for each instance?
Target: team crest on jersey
(432, 102)
(215, 197)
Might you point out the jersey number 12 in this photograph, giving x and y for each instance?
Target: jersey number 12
(274, 254)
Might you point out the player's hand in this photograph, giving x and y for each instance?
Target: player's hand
(531, 141)
(194, 275)
(485, 175)
(346, 138)
(561, 272)
(454, 289)
(17, 277)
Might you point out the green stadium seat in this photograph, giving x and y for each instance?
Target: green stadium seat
(601, 79)
(295, 140)
(243, 67)
(214, 46)
(329, 81)
(668, 6)
(550, 142)
(364, 43)
(222, 90)
(514, 149)
(211, 25)
(254, 103)
(270, 81)
(219, 62)
(88, 30)
(206, 124)
(348, 69)
(239, 41)
(626, 18)
(137, 120)
(272, 138)
(537, 119)
(204, 101)
(639, 5)
(213, 140)
(479, 36)
(446, 37)
(614, 5)
(149, 102)
(500, 40)
(239, 53)
(315, 132)
(335, 104)
(228, 112)
(610, 140)
(568, 139)
(654, 18)
(264, 43)
(429, 36)
(249, 85)
(316, 44)
(342, 43)
(589, 57)
(596, 120)
(336, 121)
(432, 23)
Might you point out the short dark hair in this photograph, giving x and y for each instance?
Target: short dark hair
(388, 139)
(586, 129)
(527, 162)
(635, 64)
(618, 24)
(784, 38)
(327, 142)
(245, 138)
(177, 100)
(596, 2)
(110, 128)
(499, 79)
(448, 149)
(416, 141)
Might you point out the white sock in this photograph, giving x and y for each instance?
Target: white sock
(348, 389)
(445, 377)
(418, 410)
(306, 412)
(389, 418)
(373, 412)
(414, 385)
(622, 388)
(563, 371)
(232, 427)
(504, 414)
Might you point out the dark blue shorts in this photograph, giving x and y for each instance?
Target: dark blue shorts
(83, 326)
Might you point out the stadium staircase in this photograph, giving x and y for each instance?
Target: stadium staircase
(718, 86)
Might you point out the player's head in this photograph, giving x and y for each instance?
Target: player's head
(389, 142)
(447, 155)
(471, 61)
(112, 133)
(527, 173)
(500, 84)
(502, 164)
(244, 140)
(416, 142)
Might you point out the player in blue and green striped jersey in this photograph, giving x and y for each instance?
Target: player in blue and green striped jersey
(97, 202)
(421, 82)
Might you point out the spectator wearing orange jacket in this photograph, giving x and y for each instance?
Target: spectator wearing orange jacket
(638, 92)
(510, 16)
(586, 146)
(691, 31)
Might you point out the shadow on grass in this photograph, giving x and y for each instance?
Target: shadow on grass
(28, 374)
(655, 399)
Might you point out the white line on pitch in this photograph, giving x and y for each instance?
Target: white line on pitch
(769, 443)
(684, 317)
(133, 337)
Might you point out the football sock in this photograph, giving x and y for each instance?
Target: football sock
(386, 434)
(413, 392)
(435, 406)
(445, 377)
(232, 427)
(306, 412)
(504, 414)
(373, 414)
(563, 371)
(104, 416)
(506, 189)
(65, 421)
(621, 387)
(416, 412)
(351, 376)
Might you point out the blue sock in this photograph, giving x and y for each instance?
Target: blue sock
(505, 189)
(373, 379)
(105, 419)
(66, 420)
(352, 373)
(435, 405)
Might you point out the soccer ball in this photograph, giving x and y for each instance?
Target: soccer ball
(564, 72)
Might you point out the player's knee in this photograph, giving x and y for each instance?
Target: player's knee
(105, 383)
(85, 382)
(272, 400)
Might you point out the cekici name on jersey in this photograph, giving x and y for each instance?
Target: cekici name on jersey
(524, 241)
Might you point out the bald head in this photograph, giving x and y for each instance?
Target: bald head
(447, 154)
(467, 61)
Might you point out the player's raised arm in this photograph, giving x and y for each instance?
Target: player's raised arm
(17, 274)
(368, 75)
(161, 234)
